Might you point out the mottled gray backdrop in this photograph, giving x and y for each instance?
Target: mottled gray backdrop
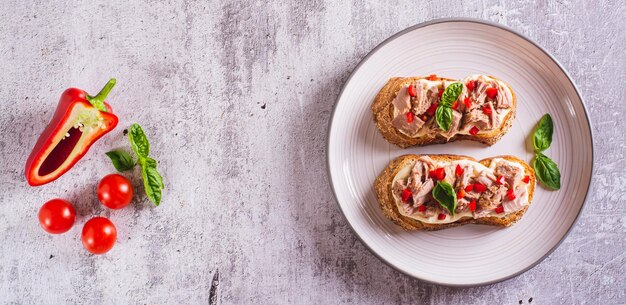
(236, 98)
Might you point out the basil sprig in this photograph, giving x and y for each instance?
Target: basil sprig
(542, 137)
(122, 161)
(546, 170)
(445, 196)
(152, 180)
(443, 114)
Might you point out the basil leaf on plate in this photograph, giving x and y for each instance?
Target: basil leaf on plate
(444, 194)
(542, 137)
(547, 171)
(443, 116)
(138, 141)
(451, 94)
(122, 161)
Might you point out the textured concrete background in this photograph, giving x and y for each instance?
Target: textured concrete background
(235, 98)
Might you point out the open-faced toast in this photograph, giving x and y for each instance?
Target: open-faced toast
(495, 191)
(404, 110)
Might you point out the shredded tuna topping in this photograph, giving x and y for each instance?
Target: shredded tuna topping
(481, 191)
(483, 104)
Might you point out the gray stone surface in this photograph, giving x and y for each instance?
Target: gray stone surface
(236, 98)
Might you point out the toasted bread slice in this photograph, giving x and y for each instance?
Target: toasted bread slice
(383, 189)
(383, 112)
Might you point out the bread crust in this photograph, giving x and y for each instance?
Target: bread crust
(383, 189)
(382, 111)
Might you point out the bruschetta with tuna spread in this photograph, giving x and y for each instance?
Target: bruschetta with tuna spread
(409, 111)
(433, 192)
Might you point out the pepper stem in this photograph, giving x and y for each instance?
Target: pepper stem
(98, 100)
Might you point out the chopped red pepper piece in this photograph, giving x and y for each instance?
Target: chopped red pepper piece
(500, 209)
(500, 180)
(526, 179)
(472, 205)
(421, 208)
(491, 92)
(441, 92)
(455, 105)
(471, 85)
(412, 91)
(409, 117)
(479, 187)
(469, 188)
(432, 77)
(468, 102)
(460, 194)
(406, 195)
(441, 216)
(78, 122)
(431, 110)
(438, 174)
(458, 171)
(487, 110)
(510, 194)
(474, 131)
(441, 173)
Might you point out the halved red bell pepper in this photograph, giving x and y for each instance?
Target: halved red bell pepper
(79, 121)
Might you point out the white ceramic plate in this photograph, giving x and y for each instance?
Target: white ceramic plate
(473, 254)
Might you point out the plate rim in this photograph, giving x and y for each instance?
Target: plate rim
(483, 22)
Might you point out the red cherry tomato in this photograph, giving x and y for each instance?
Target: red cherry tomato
(99, 235)
(57, 216)
(115, 191)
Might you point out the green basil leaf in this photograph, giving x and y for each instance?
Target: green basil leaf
(451, 94)
(151, 163)
(152, 180)
(138, 141)
(547, 171)
(443, 116)
(542, 137)
(444, 194)
(122, 161)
